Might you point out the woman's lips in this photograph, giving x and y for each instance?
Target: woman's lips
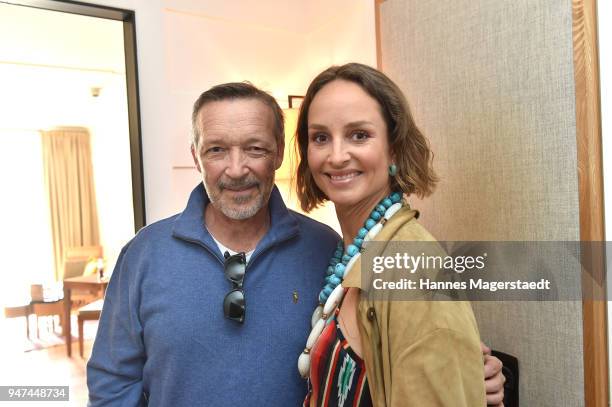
(343, 178)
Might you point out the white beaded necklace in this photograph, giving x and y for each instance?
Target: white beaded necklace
(340, 265)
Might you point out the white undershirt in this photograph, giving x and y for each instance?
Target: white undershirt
(230, 251)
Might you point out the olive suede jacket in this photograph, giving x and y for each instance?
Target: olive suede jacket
(418, 353)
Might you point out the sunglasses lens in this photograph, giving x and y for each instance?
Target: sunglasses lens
(234, 270)
(233, 305)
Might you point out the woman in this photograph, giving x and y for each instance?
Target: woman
(360, 148)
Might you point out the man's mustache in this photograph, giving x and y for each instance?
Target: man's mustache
(244, 183)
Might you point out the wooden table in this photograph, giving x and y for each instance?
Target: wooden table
(16, 311)
(86, 283)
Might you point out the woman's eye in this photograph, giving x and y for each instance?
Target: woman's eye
(360, 135)
(319, 138)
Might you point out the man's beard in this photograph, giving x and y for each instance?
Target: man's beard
(238, 208)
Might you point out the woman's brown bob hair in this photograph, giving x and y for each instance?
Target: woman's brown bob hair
(409, 147)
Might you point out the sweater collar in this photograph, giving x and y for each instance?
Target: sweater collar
(190, 225)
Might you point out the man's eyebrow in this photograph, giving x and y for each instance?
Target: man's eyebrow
(222, 140)
(257, 140)
(212, 140)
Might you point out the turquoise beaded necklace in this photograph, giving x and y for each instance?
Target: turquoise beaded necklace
(339, 265)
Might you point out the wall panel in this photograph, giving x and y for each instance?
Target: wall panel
(491, 84)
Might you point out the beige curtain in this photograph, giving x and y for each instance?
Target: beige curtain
(72, 199)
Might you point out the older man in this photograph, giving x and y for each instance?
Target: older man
(210, 307)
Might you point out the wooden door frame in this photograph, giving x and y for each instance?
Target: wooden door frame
(591, 201)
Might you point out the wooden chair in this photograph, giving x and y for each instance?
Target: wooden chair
(76, 258)
(46, 302)
(47, 309)
(89, 312)
(75, 263)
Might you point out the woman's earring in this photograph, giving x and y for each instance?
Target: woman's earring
(392, 170)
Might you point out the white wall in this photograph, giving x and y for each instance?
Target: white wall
(62, 98)
(24, 216)
(186, 46)
(46, 77)
(112, 167)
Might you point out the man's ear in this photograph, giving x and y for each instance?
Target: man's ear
(195, 158)
(280, 153)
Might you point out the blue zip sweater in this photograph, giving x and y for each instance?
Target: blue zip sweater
(162, 334)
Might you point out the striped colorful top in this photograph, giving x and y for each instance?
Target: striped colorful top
(337, 374)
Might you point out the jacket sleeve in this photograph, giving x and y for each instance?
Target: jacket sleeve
(115, 370)
(443, 367)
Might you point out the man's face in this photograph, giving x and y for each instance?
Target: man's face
(237, 154)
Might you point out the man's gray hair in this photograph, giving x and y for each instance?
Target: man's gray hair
(237, 90)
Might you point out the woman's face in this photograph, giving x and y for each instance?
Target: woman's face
(348, 146)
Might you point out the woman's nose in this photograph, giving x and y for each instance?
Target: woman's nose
(339, 154)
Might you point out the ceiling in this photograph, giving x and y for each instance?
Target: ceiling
(49, 63)
(30, 36)
(295, 16)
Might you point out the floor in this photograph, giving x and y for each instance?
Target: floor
(43, 360)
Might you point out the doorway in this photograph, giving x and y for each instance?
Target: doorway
(71, 65)
(62, 65)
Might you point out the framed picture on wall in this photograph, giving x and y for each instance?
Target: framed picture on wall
(295, 101)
